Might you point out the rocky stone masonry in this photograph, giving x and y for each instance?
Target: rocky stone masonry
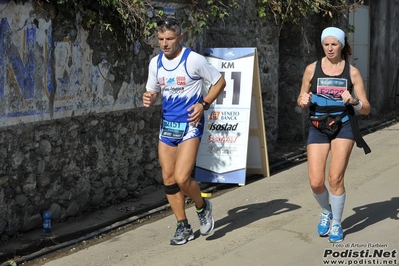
(70, 165)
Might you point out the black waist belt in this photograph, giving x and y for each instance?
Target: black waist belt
(360, 143)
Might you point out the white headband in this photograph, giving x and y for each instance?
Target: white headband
(335, 33)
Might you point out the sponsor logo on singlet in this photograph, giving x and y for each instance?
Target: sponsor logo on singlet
(181, 80)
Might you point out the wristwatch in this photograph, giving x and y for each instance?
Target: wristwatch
(205, 105)
(356, 101)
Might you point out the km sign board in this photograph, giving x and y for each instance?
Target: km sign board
(234, 140)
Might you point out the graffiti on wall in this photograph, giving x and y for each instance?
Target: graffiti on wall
(18, 69)
(41, 79)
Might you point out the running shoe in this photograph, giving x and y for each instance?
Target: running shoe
(182, 235)
(336, 234)
(323, 228)
(206, 219)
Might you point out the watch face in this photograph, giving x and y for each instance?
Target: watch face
(205, 105)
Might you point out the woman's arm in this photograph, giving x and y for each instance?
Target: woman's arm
(359, 91)
(305, 96)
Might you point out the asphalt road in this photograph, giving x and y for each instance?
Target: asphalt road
(273, 222)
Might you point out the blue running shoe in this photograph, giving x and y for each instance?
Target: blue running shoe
(182, 235)
(336, 234)
(323, 228)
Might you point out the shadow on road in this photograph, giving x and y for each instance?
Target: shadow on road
(244, 215)
(370, 214)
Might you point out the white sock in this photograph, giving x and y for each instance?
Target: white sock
(337, 206)
(323, 201)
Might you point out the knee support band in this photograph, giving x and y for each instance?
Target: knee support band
(172, 189)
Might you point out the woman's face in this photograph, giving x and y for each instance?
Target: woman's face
(169, 43)
(332, 48)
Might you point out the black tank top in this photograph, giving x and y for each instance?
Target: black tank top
(318, 73)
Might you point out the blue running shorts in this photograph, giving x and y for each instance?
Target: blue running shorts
(189, 132)
(316, 136)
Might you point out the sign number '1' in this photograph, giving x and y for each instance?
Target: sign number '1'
(236, 77)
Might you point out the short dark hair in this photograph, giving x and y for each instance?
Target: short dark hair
(169, 24)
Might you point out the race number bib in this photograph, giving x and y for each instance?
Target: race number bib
(174, 130)
(332, 87)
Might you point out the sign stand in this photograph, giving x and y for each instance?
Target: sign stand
(234, 140)
(258, 164)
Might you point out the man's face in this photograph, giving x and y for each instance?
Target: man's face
(169, 43)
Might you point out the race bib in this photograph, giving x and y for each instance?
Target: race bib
(332, 87)
(174, 130)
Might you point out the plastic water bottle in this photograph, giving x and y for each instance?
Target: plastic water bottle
(47, 222)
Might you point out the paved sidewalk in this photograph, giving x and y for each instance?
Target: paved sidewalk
(273, 222)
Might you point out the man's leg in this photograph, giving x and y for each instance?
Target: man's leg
(186, 157)
(184, 165)
(176, 197)
(167, 158)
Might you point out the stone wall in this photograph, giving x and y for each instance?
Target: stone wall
(384, 55)
(298, 48)
(73, 133)
(74, 164)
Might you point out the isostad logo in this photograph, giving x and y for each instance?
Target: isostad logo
(222, 127)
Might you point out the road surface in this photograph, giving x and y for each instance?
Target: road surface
(273, 222)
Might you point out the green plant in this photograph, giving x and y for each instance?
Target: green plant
(203, 11)
(132, 19)
(295, 11)
(136, 18)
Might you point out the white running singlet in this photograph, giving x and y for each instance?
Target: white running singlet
(180, 82)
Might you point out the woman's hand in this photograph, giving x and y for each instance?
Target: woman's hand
(347, 98)
(305, 99)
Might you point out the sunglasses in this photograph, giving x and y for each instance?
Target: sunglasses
(167, 23)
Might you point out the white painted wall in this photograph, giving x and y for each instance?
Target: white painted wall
(26, 71)
(360, 42)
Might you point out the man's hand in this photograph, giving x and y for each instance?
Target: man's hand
(195, 113)
(149, 98)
